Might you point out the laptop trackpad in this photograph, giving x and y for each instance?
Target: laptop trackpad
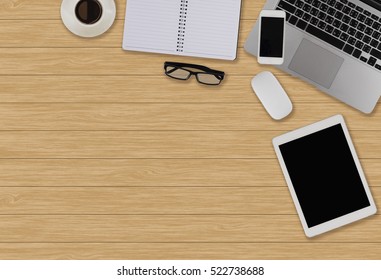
(316, 63)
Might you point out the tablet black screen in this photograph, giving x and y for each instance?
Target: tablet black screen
(324, 175)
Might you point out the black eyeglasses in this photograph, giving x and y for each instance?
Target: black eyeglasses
(182, 71)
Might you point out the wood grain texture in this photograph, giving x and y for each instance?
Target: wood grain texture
(156, 144)
(103, 157)
(152, 172)
(142, 89)
(192, 251)
(169, 116)
(175, 228)
(149, 200)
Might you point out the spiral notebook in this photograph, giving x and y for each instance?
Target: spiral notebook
(200, 28)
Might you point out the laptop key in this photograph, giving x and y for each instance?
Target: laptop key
(322, 25)
(359, 44)
(366, 48)
(363, 59)
(316, 3)
(353, 23)
(376, 25)
(339, 15)
(353, 14)
(375, 17)
(374, 43)
(376, 53)
(346, 10)
(351, 41)
(323, 7)
(372, 61)
(344, 37)
(299, 4)
(348, 49)
(368, 31)
(314, 21)
(336, 32)
(293, 20)
(359, 35)
(351, 31)
(361, 18)
(321, 15)
(379, 46)
(306, 17)
(346, 19)
(329, 19)
(324, 36)
(336, 23)
(299, 13)
(361, 27)
(307, 8)
(286, 7)
(356, 53)
(368, 21)
(344, 27)
(339, 6)
(366, 39)
(378, 66)
(358, 8)
(331, 11)
(329, 29)
(301, 24)
(314, 11)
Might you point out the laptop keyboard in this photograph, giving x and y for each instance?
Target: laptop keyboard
(342, 24)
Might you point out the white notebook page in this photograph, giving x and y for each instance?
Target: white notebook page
(210, 27)
(151, 25)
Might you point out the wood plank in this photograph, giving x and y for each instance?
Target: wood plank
(172, 116)
(53, 34)
(116, 89)
(150, 201)
(111, 61)
(157, 144)
(175, 228)
(144, 144)
(153, 173)
(42, 9)
(193, 251)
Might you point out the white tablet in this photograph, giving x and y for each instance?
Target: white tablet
(324, 176)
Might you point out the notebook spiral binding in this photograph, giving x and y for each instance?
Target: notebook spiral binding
(182, 24)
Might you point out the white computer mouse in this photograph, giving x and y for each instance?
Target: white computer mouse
(272, 95)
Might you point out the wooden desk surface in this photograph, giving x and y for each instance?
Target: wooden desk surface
(103, 157)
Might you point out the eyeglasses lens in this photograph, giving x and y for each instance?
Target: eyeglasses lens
(177, 73)
(209, 79)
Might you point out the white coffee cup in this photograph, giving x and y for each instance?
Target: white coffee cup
(88, 18)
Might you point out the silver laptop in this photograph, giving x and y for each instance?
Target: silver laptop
(334, 45)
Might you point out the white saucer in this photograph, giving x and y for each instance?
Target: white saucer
(88, 30)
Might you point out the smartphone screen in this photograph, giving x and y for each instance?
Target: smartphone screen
(271, 41)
